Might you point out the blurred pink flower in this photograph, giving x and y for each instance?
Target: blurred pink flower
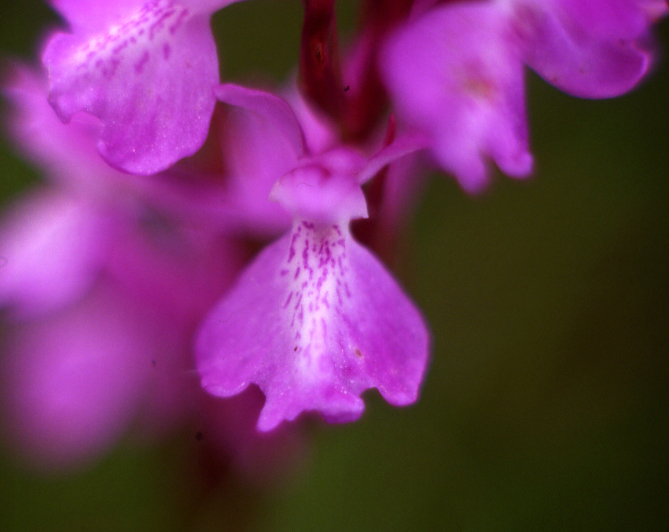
(457, 74)
(588, 48)
(455, 71)
(104, 288)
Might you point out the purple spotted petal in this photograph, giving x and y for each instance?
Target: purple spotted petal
(147, 76)
(314, 321)
(93, 13)
(588, 48)
(470, 102)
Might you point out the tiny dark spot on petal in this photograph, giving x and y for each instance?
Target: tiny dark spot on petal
(199, 436)
(295, 348)
(357, 352)
(153, 362)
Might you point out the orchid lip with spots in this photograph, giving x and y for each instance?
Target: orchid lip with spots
(308, 320)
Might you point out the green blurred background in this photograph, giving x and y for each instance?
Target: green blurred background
(546, 404)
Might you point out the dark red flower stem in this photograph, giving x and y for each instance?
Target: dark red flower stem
(356, 106)
(366, 106)
(320, 73)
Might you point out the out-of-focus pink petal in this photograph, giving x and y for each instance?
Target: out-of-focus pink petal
(177, 273)
(179, 270)
(147, 77)
(278, 113)
(314, 321)
(73, 380)
(455, 75)
(66, 153)
(405, 144)
(590, 48)
(608, 19)
(53, 248)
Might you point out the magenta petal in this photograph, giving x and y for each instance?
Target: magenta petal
(96, 14)
(591, 49)
(405, 144)
(608, 19)
(470, 99)
(274, 109)
(52, 248)
(148, 79)
(93, 13)
(314, 321)
(72, 381)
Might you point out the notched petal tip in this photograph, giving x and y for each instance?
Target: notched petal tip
(314, 321)
(469, 105)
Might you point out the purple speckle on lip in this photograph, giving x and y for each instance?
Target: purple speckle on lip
(139, 65)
